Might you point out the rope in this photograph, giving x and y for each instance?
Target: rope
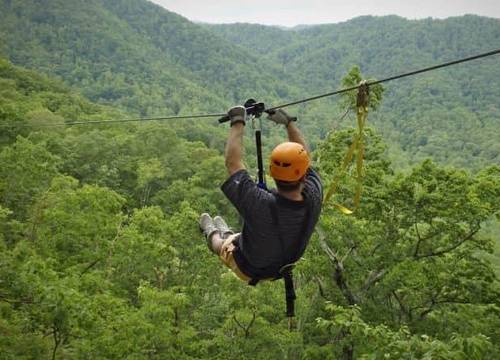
(411, 73)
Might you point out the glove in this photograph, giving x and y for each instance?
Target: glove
(237, 114)
(280, 117)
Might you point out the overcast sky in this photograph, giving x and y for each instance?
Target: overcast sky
(294, 12)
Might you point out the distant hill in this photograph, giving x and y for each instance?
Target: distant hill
(32, 108)
(133, 54)
(147, 60)
(30, 101)
(450, 114)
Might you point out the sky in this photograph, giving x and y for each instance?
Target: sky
(296, 12)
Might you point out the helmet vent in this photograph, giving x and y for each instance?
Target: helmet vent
(280, 164)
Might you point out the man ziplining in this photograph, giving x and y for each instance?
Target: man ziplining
(277, 223)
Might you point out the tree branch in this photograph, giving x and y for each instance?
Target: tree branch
(57, 341)
(417, 247)
(12, 301)
(375, 248)
(246, 329)
(334, 127)
(347, 253)
(320, 288)
(432, 307)
(338, 274)
(92, 264)
(402, 306)
(373, 277)
(450, 248)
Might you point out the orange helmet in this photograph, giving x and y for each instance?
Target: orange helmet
(289, 162)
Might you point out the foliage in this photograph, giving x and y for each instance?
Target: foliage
(383, 343)
(100, 255)
(410, 255)
(354, 78)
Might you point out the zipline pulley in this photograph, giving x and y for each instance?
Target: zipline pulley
(255, 110)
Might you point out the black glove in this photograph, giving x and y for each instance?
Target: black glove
(237, 114)
(280, 117)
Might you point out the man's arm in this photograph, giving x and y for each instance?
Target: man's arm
(234, 148)
(234, 151)
(295, 135)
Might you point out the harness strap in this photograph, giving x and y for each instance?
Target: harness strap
(286, 271)
(253, 281)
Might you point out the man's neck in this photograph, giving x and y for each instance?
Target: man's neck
(292, 195)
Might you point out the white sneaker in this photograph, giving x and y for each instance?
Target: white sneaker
(221, 225)
(207, 225)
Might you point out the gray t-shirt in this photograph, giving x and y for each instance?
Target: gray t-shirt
(259, 242)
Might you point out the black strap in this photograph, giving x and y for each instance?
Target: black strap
(261, 183)
(253, 281)
(286, 271)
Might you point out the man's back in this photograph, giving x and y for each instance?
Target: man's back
(260, 241)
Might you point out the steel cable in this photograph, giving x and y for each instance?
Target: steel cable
(341, 91)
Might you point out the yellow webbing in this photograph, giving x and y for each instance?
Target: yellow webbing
(357, 146)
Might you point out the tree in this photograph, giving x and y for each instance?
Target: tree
(410, 256)
(76, 226)
(26, 171)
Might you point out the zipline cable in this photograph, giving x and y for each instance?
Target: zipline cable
(92, 122)
(173, 117)
(430, 68)
(411, 73)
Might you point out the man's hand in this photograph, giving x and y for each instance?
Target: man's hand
(237, 114)
(280, 117)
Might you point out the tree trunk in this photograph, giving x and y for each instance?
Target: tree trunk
(348, 352)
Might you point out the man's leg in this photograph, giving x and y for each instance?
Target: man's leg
(207, 226)
(221, 225)
(215, 242)
(220, 241)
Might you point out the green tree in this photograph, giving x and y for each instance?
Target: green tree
(26, 171)
(411, 255)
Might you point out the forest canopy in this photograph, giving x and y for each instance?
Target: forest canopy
(100, 251)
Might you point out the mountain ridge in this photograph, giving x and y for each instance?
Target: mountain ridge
(149, 61)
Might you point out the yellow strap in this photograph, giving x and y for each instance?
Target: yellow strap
(357, 146)
(342, 209)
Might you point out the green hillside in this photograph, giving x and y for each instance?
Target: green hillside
(450, 115)
(146, 60)
(101, 256)
(133, 54)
